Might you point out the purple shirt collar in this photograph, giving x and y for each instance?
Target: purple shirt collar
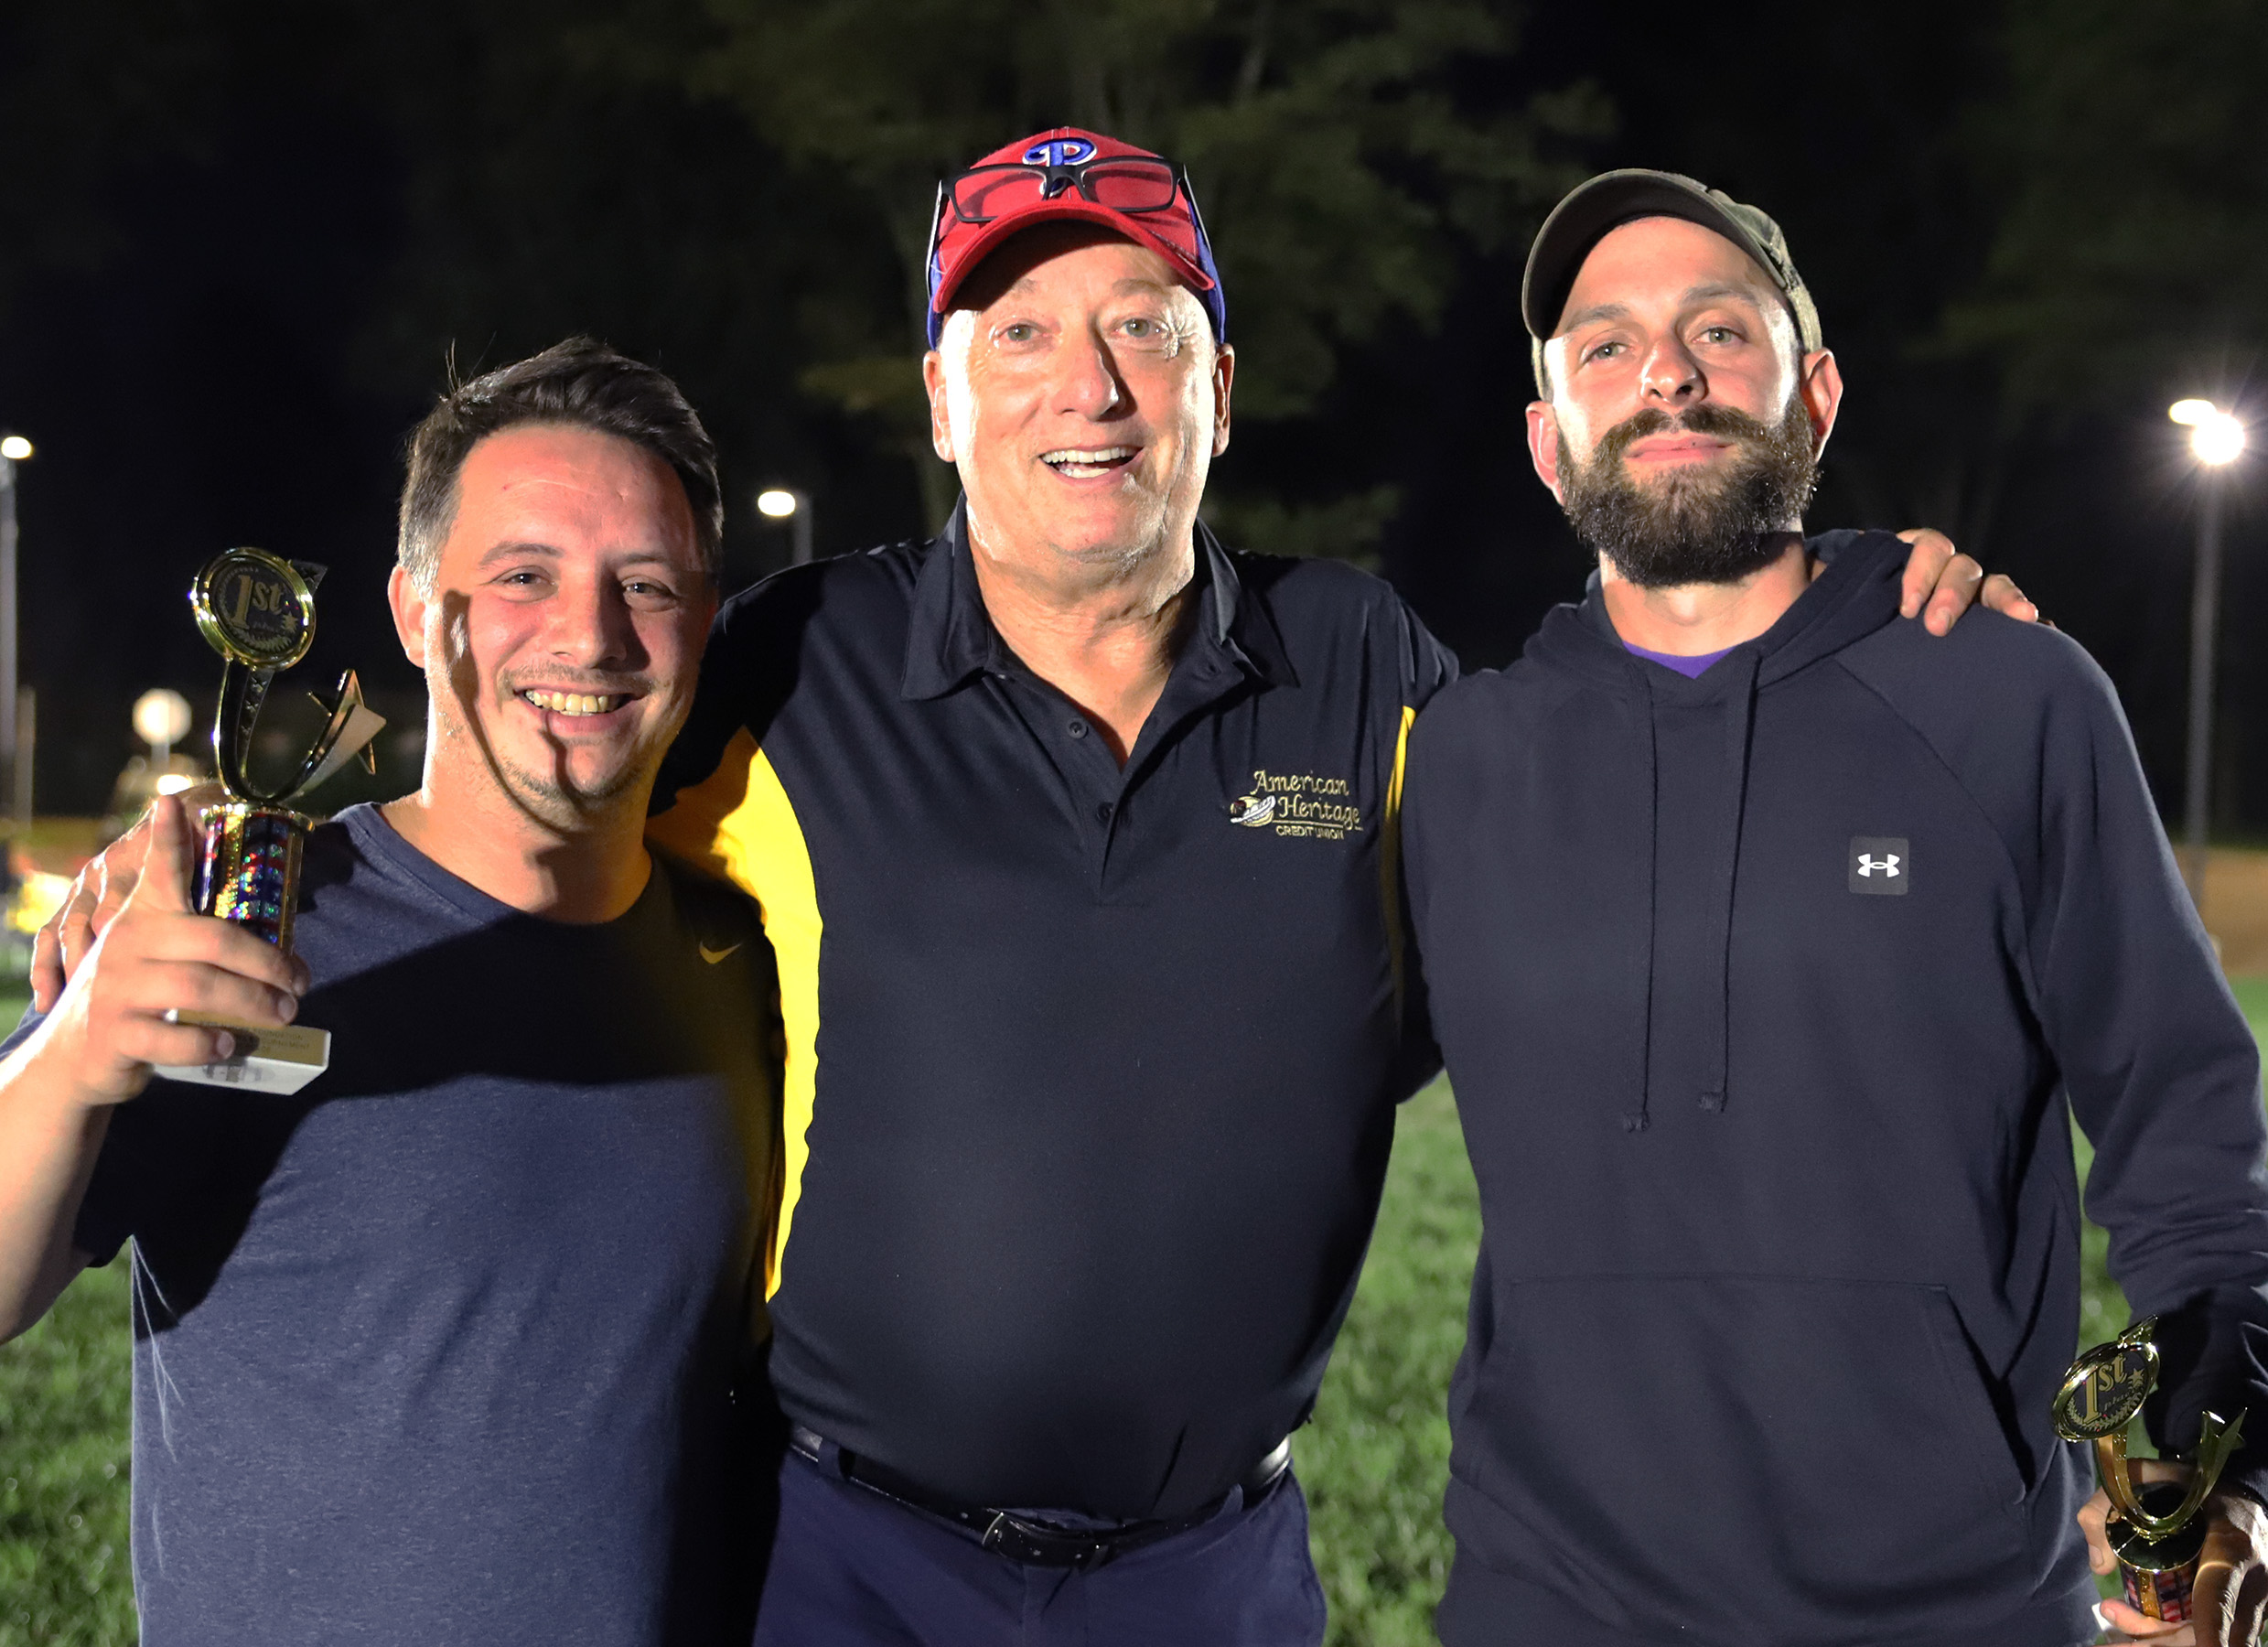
(1690, 667)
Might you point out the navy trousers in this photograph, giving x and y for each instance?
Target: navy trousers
(850, 1569)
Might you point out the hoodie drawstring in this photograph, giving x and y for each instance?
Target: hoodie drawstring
(1739, 725)
(1634, 1121)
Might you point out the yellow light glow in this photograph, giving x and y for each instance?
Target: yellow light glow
(173, 783)
(2217, 440)
(775, 502)
(14, 446)
(2192, 411)
(38, 895)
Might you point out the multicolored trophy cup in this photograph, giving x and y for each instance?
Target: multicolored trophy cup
(258, 612)
(2154, 1529)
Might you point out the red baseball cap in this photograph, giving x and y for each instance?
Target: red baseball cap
(1068, 175)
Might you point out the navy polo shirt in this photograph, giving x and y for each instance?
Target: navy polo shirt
(1089, 1072)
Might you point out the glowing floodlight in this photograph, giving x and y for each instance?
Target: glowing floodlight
(2216, 437)
(2217, 440)
(776, 503)
(14, 448)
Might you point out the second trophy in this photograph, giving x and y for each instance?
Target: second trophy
(2154, 1528)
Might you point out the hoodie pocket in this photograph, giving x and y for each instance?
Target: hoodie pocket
(1700, 1453)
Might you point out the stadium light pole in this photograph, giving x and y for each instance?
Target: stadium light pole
(14, 449)
(2217, 440)
(785, 503)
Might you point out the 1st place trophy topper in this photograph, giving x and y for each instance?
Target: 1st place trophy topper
(2154, 1529)
(257, 611)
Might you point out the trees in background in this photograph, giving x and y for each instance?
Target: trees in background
(744, 188)
(249, 234)
(2130, 183)
(1344, 152)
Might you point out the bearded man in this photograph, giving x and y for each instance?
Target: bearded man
(1770, 975)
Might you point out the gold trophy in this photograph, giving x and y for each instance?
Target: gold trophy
(257, 610)
(2154, 1529)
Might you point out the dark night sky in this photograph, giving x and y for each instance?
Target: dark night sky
(222, 368)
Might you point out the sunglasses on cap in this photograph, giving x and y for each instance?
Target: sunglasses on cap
(1123, 183)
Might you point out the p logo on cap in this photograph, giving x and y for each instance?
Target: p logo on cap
(1059, 151)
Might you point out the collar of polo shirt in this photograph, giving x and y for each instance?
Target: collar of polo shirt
(952, 636)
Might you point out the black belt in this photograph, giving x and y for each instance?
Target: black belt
(1026, 1538)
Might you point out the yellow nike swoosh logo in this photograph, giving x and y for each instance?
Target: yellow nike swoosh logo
(714, 956)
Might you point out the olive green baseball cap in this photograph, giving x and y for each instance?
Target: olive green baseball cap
(1612, 199)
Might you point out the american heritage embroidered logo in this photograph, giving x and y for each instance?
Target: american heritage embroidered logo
(1298, 803)
(1881, 865)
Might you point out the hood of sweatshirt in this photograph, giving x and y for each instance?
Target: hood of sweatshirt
(1854, 593)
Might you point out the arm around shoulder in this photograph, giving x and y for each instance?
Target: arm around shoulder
(1427, 664)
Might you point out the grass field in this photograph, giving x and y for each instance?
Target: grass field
(1374, 1461)
(64, 1406)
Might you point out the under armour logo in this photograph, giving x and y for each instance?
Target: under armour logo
(1880, 865)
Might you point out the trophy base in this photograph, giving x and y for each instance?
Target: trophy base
(2159, 1576)
(248, 871)
(265, 1060)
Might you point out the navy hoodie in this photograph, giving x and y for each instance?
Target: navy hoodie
(1767, 999)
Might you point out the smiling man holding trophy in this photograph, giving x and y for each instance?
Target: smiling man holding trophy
(436, 1321)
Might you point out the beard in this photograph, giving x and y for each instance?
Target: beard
(1694, 526)
(554, 799)
(544, 788)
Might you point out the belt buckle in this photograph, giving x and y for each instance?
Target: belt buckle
(1018, 1540)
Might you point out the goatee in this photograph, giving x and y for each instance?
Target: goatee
(1694, 526)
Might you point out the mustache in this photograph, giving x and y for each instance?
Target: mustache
(1708, 418)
